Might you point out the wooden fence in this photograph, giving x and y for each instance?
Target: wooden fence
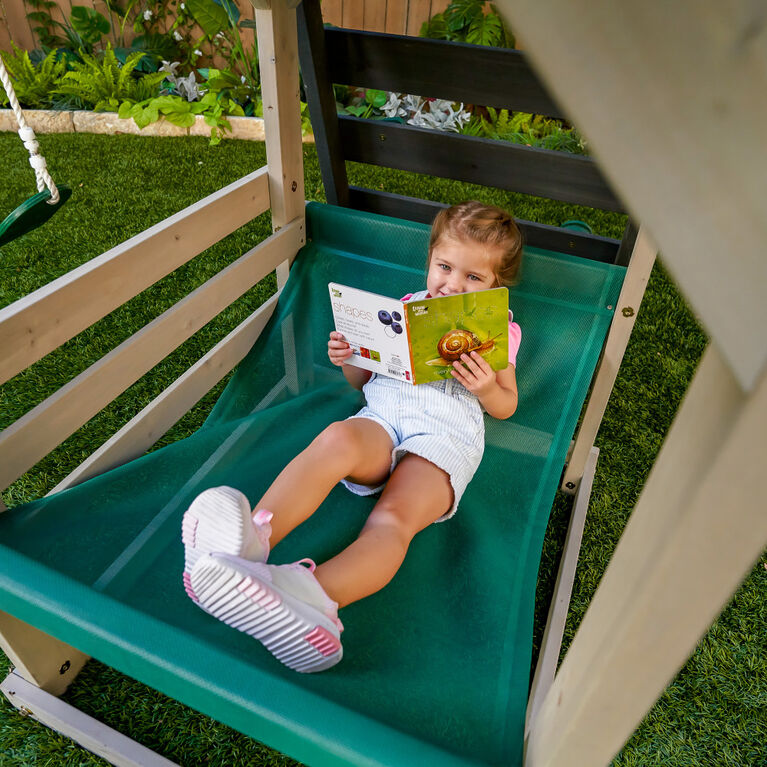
(403, 17)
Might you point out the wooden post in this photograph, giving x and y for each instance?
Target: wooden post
(39, 658)
(694, 535)
(278, 60)
(634, 285)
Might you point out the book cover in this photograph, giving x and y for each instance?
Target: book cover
(418, 341)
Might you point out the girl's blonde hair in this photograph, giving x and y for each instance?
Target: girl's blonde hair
(487, 225)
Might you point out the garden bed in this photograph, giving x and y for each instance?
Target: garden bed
(82, 121)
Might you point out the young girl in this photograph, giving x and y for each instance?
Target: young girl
(420, 444)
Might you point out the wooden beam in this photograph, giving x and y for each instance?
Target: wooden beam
(694, 535)
(278, 62)
(116, 748)
(37, 657)
(501, 164)
(629, 301)
(144, 429)
(44, 427)
(703, 199)
(37, 324)
(437, 68)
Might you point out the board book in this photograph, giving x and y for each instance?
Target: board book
(418, 341)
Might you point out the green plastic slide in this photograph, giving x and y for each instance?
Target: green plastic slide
(436, 666)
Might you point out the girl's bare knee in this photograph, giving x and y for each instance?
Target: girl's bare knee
(337, 441)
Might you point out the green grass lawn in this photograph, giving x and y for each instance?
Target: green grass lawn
(712, 714)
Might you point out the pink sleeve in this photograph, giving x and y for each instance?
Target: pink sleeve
(515, 338)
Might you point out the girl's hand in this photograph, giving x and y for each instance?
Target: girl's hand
(475, 374)
(338, 349)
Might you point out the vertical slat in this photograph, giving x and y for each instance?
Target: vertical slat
(695, 533)
(18, 26)
(332, 12)
(354, 14)
(278, 60)
(396, 17)
(5, 35)
(418, 12)
(375, 16)
(322, 103)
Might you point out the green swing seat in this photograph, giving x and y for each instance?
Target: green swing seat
(437, 665)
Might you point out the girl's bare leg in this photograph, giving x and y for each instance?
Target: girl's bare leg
(358, 449)
(417, 494)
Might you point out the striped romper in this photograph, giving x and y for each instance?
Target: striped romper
(441, 421)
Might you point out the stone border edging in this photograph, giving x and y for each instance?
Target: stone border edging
(53, 121)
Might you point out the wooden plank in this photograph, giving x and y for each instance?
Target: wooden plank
(91, 734)
(500, 164)
(278, 61)
(322, 102)
(551, 644)
(375, 16)
(39, 658)
(695, 533)
(38, 323)
(396, 17)
(353, 14)
(438, 68)
(417, 13)
(332, 12)
(144, 429)
(702, 199)
(35, 434)
(18, 25)
(536, 235)
(5, 35)
(627, 308)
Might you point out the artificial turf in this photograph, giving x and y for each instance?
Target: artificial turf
(712, 714)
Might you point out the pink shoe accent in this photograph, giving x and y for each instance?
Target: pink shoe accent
(257, 594)
(262, 517)
(189, 530)
(321, 639)
(188, 587)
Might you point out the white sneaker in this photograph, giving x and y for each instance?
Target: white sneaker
(283, 606)
(219, 519)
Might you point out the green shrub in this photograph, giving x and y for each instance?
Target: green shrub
(104, 84)
(34, 85)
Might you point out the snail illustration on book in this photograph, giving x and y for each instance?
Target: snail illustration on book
(457, 342)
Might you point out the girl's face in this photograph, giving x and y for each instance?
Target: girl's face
(461, 266)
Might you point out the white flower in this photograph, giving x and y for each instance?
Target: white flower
(392, 107)
(183, 7)
(197, 52)
(177, 36)
(169, 67)
(242, 79)
(219, 34)
(147, 15)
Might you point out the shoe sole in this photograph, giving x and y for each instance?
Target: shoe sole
(213, 523)
(296, 634)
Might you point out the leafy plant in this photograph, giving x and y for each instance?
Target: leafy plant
(469, 21)
(525, 128)
(89, 24)
(33, 84)
(104, 84)
(181, 112)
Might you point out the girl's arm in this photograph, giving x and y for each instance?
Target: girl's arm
(338, 352)
(497, 392)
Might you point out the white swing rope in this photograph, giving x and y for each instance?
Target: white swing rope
(27, 135)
